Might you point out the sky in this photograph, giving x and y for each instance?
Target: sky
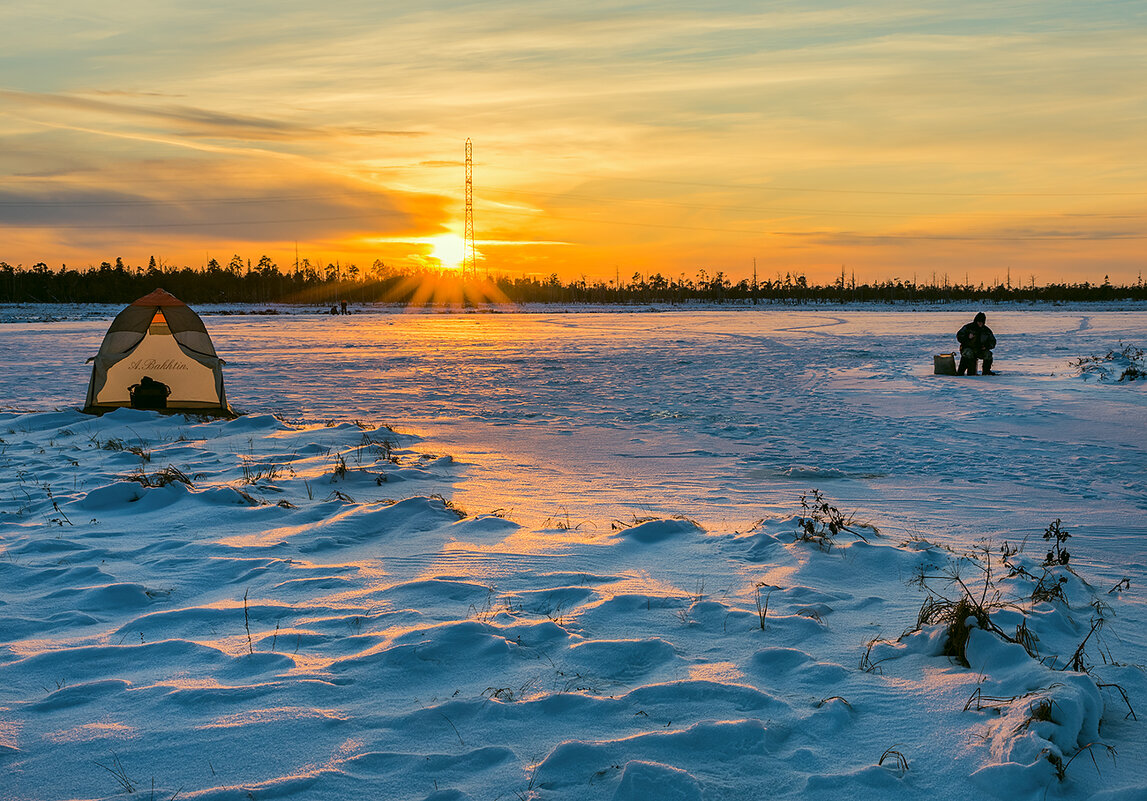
(982, 141)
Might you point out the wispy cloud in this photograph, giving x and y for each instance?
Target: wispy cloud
(184, 120)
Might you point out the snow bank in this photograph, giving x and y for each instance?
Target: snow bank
(258, 608)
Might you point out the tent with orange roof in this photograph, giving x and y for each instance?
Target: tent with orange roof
(157, 355)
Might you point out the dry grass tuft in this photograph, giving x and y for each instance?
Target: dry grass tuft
(899, 761)
(822, 522)
(160, 478)
(451, 506)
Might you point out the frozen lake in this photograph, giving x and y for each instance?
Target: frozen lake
(278, 607)
(712, 414)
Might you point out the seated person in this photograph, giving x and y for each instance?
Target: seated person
(976, 342)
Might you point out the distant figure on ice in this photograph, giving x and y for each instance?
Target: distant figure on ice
(976, 342)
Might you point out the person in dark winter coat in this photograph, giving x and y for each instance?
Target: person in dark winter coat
(976, 342)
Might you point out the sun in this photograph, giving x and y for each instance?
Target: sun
(449, 250)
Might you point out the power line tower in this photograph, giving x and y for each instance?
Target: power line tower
(469, 265)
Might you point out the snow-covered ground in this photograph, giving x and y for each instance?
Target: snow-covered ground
(570, 570)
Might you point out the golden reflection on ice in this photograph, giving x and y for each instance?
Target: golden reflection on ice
(272, 715)
(779, 576)
(88, 732)
(271, 536)
(525, 541)
(720, 672)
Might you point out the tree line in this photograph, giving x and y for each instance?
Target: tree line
(240, 281)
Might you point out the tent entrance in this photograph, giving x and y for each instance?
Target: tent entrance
(159, 357)
(158, 346)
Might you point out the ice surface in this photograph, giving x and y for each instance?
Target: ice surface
(569, 571)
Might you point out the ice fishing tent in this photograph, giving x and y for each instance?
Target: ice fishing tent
(157, 355)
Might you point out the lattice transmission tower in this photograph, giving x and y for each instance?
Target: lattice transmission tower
(469, 265)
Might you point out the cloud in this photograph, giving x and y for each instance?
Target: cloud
(285, 211)
(188, 120)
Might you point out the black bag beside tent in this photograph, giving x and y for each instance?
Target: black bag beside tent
(149, 394)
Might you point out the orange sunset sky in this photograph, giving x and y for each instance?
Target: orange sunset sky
(977, 140)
